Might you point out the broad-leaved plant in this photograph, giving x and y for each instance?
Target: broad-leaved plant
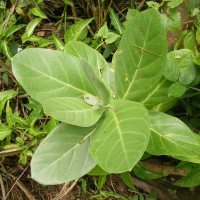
(110, 113)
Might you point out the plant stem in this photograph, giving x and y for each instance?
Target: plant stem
(5, 66)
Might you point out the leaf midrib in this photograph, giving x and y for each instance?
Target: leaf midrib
(120, 135)
(57, 80)
(139, 63)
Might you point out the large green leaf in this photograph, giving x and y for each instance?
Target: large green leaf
(141, 56)
(63, 155)
(46, 73)
(121, 139)
(82, 50)
(170, 136)
(73, 111)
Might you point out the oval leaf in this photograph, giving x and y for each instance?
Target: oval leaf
(73, 111)
(142, 57)
(170, 136)
(121, 139)
(56, 74)
(63, 155)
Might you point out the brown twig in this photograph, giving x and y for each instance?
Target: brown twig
(63, 188)
(2, 188)
(60, 196)
(74, 13)
(10, 152)
(10, 14)
(158, 167)
(21, 186)
(141, 4)
(24, 189)
(5, 66)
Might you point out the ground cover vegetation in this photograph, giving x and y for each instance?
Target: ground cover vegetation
(101, 97)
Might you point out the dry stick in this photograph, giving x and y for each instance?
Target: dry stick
(10, 152)
(141, 4)
(63, 188)
(26, 192)
(9, 16)
(161, 168)
(106, 13)
(5, 66)
(73, 9)
(2, 188)
(66, 192)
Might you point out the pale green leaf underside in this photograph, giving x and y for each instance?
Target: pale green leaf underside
(141, 57)
(82, 50)
(62, 156)
(73, 111)
(121, 139)
(46, 73)
(170, 136)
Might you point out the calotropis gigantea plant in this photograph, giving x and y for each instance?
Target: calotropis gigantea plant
(110, 113)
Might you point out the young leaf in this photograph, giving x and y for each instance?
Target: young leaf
(4, 131)
(183, 61)
(171, 71)
(115, 21)
(38, 13)
(82, 50)
(70, 77)
(30, 28)
(4, 97)
(74, 31)
(142, 57)
(121, 139)
(12, 29)
(176, 90)
(190, 180)
(175, 3)
(170, 136)
(128, 180)
(58, 42)
(103, 31)
(172, 20)
(73, 111)
(63, 155)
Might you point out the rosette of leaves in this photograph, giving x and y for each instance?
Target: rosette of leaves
(104, 107)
